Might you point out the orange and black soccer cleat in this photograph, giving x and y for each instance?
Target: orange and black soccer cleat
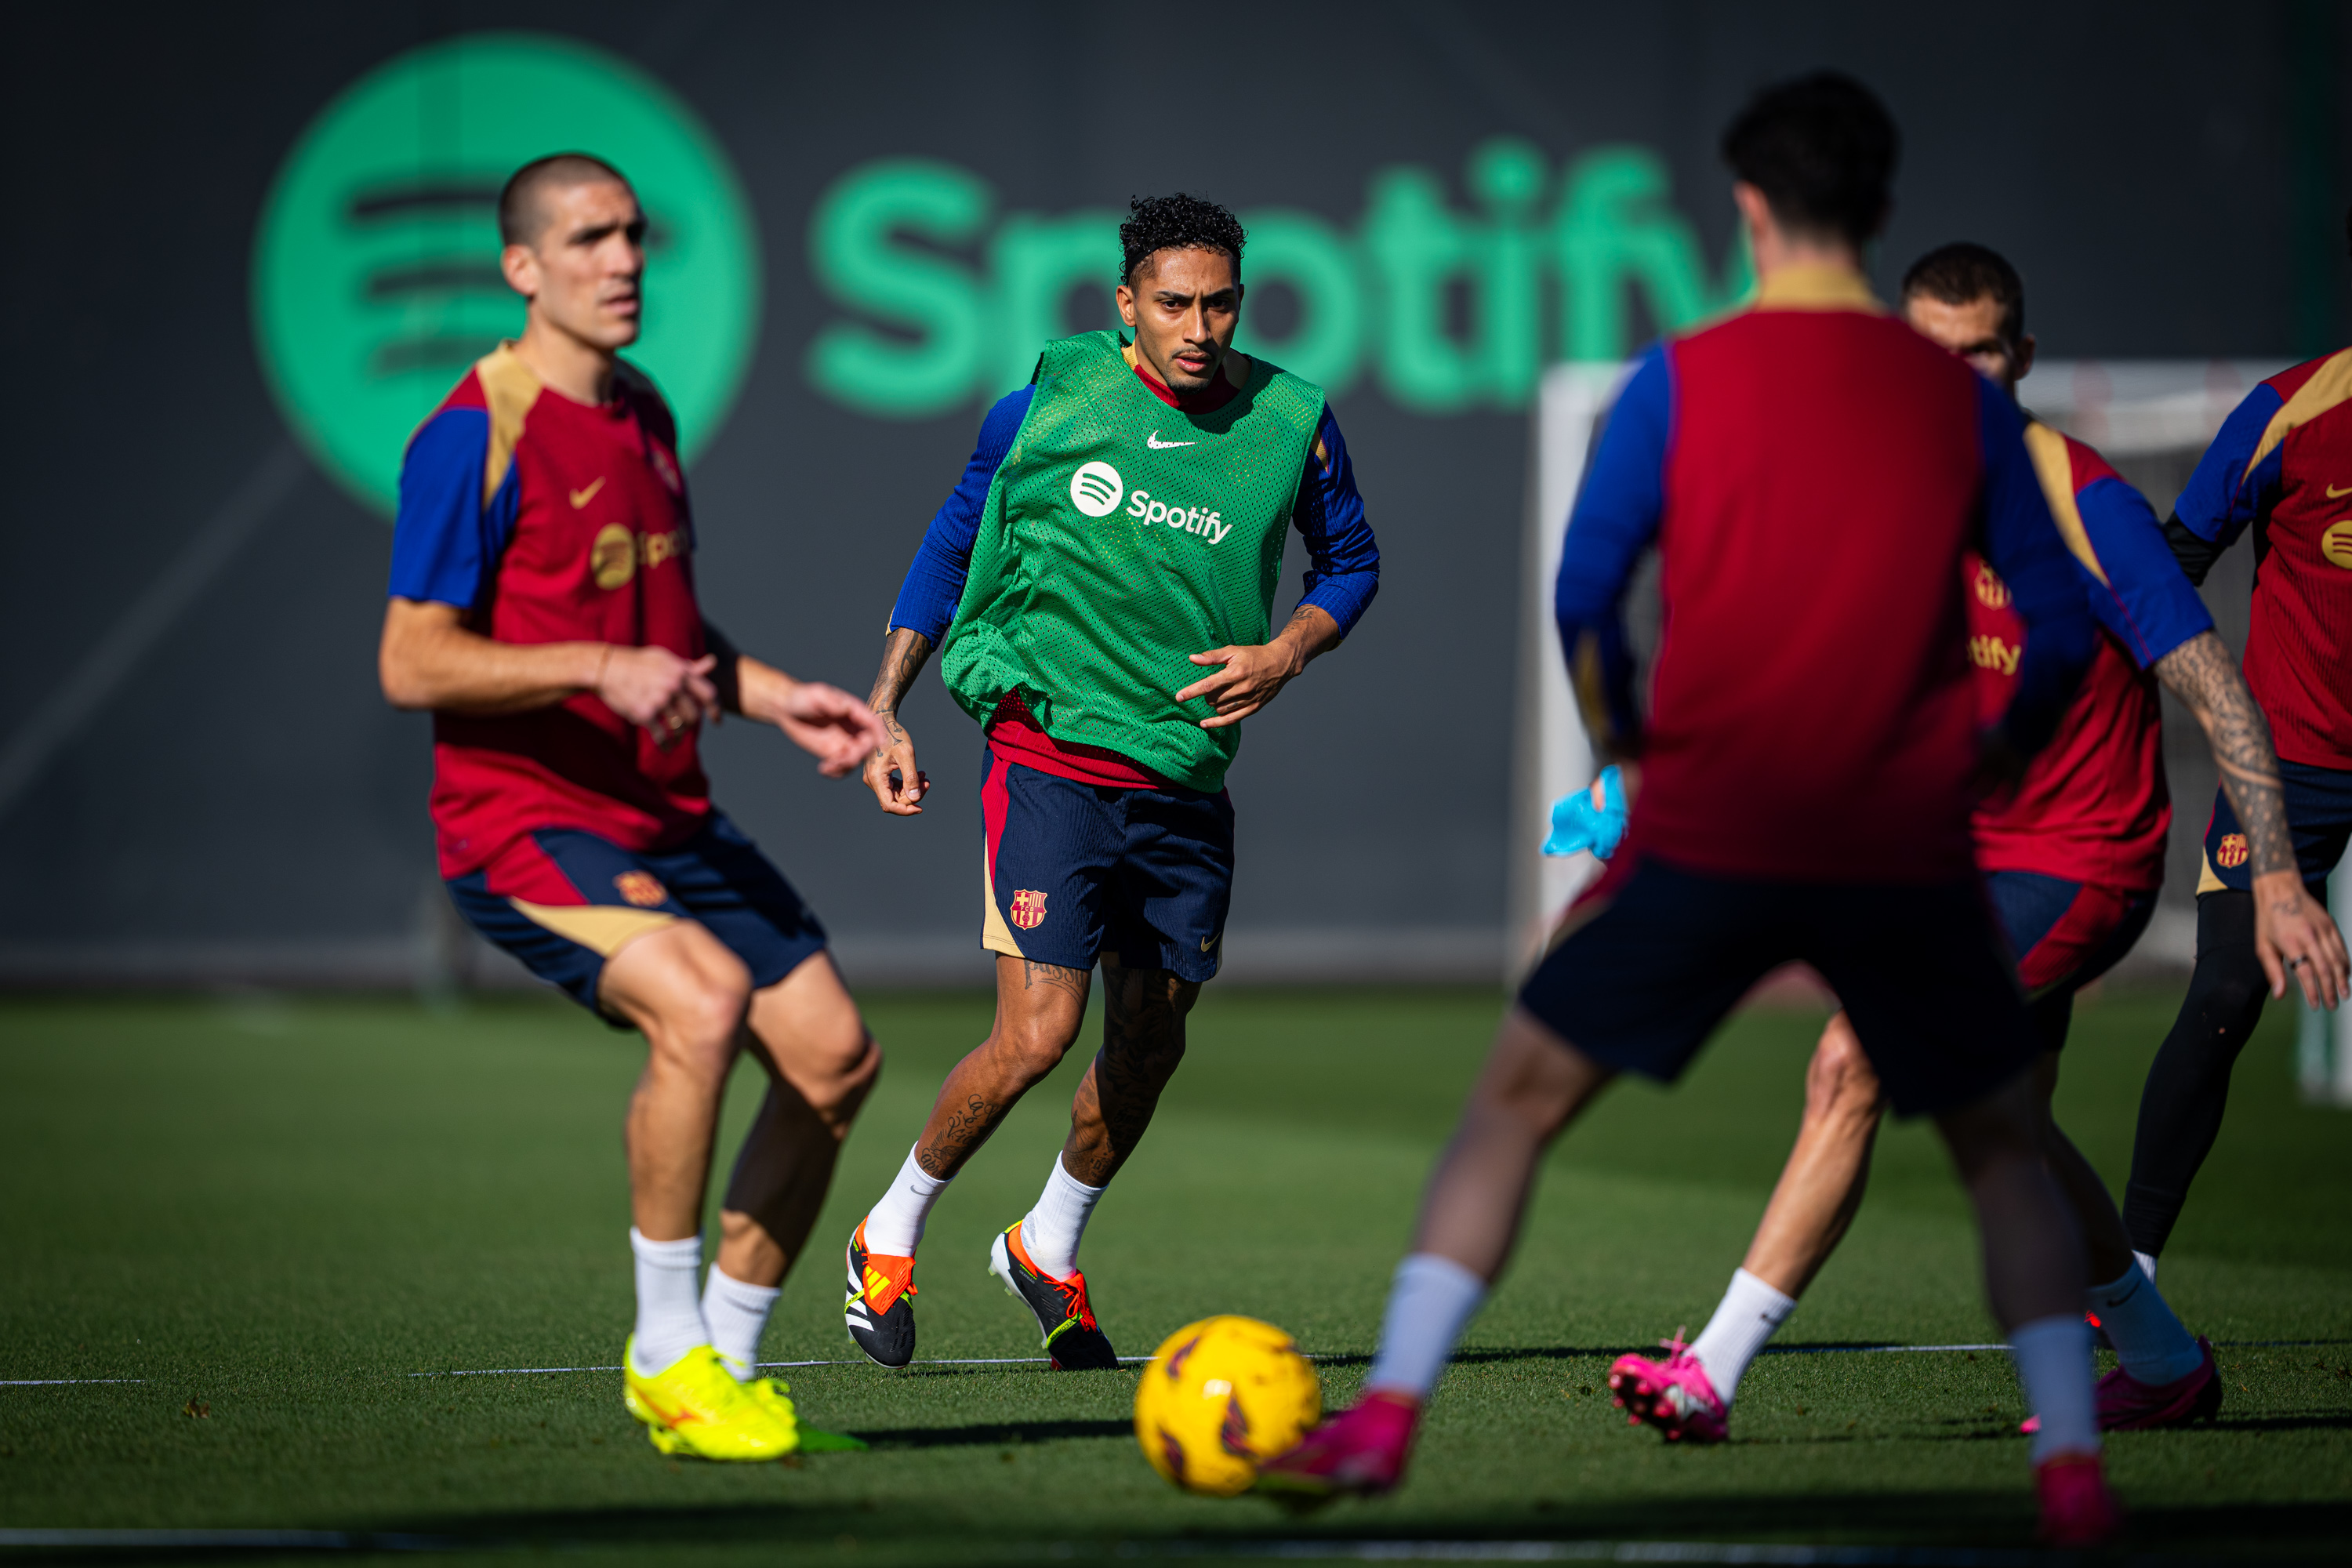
(880, 1310)
(1063, 1315)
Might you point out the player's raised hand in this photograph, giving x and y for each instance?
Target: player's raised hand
(830, 725)
(653, 688)
(2293, 934)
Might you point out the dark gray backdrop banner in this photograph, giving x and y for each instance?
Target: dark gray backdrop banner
(198, 779)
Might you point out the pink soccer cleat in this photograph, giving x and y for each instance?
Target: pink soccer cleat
(1361, 1451)
(2128, 1405)
(1674, 1395)
(2077, 1510)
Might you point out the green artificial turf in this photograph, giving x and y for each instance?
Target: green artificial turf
(273, 1212)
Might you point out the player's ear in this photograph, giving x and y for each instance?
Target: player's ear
(520, 265)
(2024, 355)
(1127, 303)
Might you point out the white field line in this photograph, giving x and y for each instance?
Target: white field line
(1141, 1360)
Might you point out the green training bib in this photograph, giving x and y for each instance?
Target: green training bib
(1119, 537)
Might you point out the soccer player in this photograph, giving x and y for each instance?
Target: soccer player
(2073, 860)
(1099, 588)
(1812, 472)
(542, 607)
(2281, 466)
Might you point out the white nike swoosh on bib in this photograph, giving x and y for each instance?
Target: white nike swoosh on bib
(1157, 445)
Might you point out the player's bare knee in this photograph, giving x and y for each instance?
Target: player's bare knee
(844, 1079)
(1840, 1082)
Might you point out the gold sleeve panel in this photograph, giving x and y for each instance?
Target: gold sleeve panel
(2331, 385)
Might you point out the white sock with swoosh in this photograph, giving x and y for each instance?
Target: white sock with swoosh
(1052, 1230)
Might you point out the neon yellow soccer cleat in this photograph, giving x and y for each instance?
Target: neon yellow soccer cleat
(777, 1395)
(695, 1406)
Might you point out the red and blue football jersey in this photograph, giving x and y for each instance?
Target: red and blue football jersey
(550, 521)
(1813, 472)
(2283, 466)
(2093, 805)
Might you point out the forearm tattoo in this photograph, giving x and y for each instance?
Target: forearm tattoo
(2201, 673)
(903, 656)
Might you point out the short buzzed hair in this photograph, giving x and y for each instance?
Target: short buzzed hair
(522, 203)
(1823, 149)
(1961, 273)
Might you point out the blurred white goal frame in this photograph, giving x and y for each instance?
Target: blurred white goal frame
(2124, 407)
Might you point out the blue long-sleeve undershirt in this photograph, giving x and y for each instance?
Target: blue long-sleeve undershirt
(1344, 559)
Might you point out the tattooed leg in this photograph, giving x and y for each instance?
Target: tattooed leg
(1039, 1009)
(1143, 1039)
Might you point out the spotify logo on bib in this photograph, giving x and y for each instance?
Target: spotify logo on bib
(1095, 489)
(375, 272)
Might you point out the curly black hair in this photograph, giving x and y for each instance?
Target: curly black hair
(1180, 222)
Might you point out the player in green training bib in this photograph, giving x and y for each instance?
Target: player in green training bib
(1100, 589)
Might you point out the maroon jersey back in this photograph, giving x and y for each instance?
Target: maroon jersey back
(1824, 479)
(582, 533)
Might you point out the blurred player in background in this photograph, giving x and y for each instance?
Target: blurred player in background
(1812, 473)
(542, 607)
(1099, 587)
(2073, 860)
(2283, 466)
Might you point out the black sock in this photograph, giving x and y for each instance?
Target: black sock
(2189, 1084)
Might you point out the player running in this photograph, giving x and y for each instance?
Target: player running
(543, 606)
(1099, 588)
(2073, 860)
(2283, 466)
(1812, 473)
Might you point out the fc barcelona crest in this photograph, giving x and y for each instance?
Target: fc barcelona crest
(1028, 908)
(642, 889)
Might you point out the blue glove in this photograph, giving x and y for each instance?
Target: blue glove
(1577, 824)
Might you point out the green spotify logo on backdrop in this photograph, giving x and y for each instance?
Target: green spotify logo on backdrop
(375, 273)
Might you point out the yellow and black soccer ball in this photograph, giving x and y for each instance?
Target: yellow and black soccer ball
(1220, 1398)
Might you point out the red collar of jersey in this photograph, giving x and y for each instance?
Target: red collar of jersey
(1216, 395)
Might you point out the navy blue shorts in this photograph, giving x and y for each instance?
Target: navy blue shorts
(1647, 969)
(1074, 870)
(2065, 934)
(563, 901)
(2318, 814)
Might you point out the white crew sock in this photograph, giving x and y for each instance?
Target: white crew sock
(2053, 1362)
(736, 1315)
(1750, 1314)
(1429, 1304)
(2148, 1339)
(669, 1318)
(2147, 1265)
(1052, 1230)
(894, 1227)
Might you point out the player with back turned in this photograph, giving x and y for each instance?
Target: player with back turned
(1099, 588)
(2281, 470)
(2073, 860)
(1812, 472)
(542, 607)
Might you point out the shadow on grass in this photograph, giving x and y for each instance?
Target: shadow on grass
(993, 1434)
(1908, 1520)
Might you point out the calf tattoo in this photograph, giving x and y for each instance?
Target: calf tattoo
(967, 1128)
(1143, 1041)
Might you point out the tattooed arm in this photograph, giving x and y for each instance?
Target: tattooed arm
(2292, 928)
(890, 772)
